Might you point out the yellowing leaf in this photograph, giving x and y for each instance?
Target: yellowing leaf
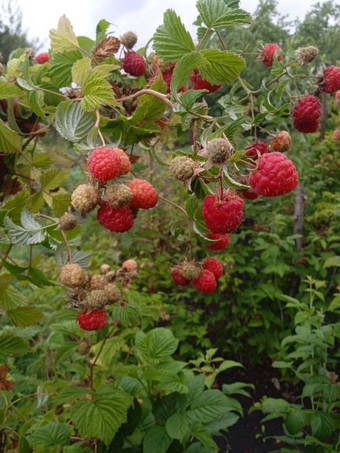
(63, 38)
(80, 70)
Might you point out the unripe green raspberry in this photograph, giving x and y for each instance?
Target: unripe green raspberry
(182, 167)
(85, 198)
(96, 299)
(307, 54)
(129, 39)
(189, 271)
(112, 292)
(118, 195)
(72, 274)
(219, 150)
(67, 222)
(84, 347)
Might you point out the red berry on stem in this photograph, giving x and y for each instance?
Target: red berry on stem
(178, 277)
(42, 57)
(213, 265)
(267, 54)
(92, 320)
(144, 195)
(222, 241)
(330, 80)
(261, 147)
(275, 175)
(104, 163)
(118, 220)
(206, 282)
(134, 64)
(223, 215)
(307, 113)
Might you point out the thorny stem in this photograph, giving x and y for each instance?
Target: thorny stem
(188, 222)
(160, 96)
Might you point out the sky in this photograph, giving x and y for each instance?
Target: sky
(140, 16)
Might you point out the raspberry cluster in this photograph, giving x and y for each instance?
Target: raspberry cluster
(203, 275)
(119, 201)
(92, 293)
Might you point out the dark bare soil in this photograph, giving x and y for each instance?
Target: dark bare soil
(248, 435)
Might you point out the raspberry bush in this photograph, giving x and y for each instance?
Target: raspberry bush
(141, 147)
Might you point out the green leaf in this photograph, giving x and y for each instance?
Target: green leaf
(127, 314)
(231, 182)
(157, 440)
(171, 40)
(295, 421)
(53, 434)
(65, 352)
(160, 343)
(70, 393)
(36, 99)
(151, 108)
(8, 90)
(333, 261)
(61, 66)
(25, 316)
(217, 14)
(208, 406)
(11, 344)
(203, 436)
(10, 297)
(53, 178)
(63, 38)
(177, 426)
(102, 417)
(29, 233)
(335, 304)
(80, 70)
(183, 69)
(101, 30)
(72, 123)
(10, 141)
(323, 425)
(15, 204)
(61, 201)
(97, 92)
(222, 66)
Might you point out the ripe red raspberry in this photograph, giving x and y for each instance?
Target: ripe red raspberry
(267, 54)
(213, 265)
(223, 216)
(134, 64)
(307, 113)
(92, 320)
(252, 149)
(222, 241)
(330, 80)
(144, 195)
(42, 57)
(281, 142)
(118, 220)
(275, 175)
(206, 282)
(178, 277)
(249, 194)
(200, 84)
(104, 163)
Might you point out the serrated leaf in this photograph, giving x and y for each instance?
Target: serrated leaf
(8, 90)
(61, 201)
(27, 85)
(70, 393)
(30, 233)
(53, 178)
(66, 351)
(63, 38)
(217, 14)
(80, 70)
(72, 123)
(10, 297)
(127, 314)
(11, 344)
(183, 69)
(323, 425)
(61, 67)
(208, 406)
(160, 343)
(10, 141)
(201, 434)
(157, 440)
(295, 421)
(151, 108)
(171, 40)
(15, 204)
(102, 417)
(36, 99)
(97, 92)
(177, 426)
(52, 434)
(37, 201)
(107, 47)
(333, 261)
(101, 29)
(25, 316)
(222, 66)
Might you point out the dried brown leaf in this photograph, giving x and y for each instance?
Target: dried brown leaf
(107, 47)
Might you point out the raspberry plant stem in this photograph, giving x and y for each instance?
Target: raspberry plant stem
(200, 44)
(160, 96)
(97, 126)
